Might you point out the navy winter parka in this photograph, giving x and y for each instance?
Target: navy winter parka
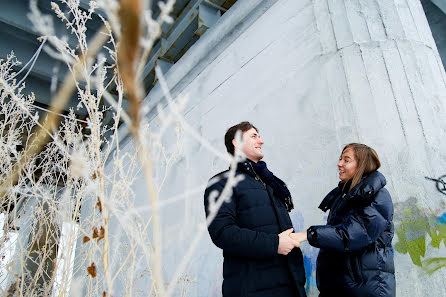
(356, 255)
(246, 228)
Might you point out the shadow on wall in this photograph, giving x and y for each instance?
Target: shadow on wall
(413, 225)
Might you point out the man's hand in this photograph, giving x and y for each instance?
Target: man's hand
(299, 236)
(286, 243)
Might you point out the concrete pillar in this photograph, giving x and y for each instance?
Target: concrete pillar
(387, 87)
(382, 60)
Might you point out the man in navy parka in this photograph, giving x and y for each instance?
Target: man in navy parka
(252, 227)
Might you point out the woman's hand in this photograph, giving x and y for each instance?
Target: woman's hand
(299, 236)
(286, 242)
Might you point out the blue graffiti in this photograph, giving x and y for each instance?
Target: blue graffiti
(310, 256)
(310, 253)
(442, 219)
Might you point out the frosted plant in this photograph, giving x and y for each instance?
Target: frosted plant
(67, 187)
(16, 110)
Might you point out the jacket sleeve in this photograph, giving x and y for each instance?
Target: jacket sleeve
(358, 230)
(233, 240)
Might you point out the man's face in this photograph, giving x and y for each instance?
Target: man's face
(252, 145)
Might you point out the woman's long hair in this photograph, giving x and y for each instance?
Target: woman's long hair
(367, 158)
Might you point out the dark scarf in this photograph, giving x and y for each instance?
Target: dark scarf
(344, 187)
(279, 188)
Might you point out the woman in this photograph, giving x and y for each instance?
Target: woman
(356, 256)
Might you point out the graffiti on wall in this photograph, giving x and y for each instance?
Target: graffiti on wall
(440, 183)
(418, 228)
(310, 255)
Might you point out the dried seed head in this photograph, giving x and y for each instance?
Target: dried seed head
(79, 164)
(128, 52)
(95, 233)
(92, 270)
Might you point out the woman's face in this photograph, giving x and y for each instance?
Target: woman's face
(347, 165)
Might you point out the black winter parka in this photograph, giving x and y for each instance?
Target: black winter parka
(356, 255)
(246, 228)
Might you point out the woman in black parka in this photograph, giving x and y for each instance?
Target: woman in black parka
(356, 255)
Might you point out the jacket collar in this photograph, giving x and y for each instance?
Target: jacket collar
(369, 186)
(245, 166)
(365, 190)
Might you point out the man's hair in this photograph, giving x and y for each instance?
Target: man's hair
(367, 158)
(230, 134)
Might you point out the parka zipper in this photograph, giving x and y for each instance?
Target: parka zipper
(273, 204)
(257, 176)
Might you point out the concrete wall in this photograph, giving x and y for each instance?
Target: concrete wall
(312, 76)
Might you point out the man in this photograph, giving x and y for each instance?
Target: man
(253, 227)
